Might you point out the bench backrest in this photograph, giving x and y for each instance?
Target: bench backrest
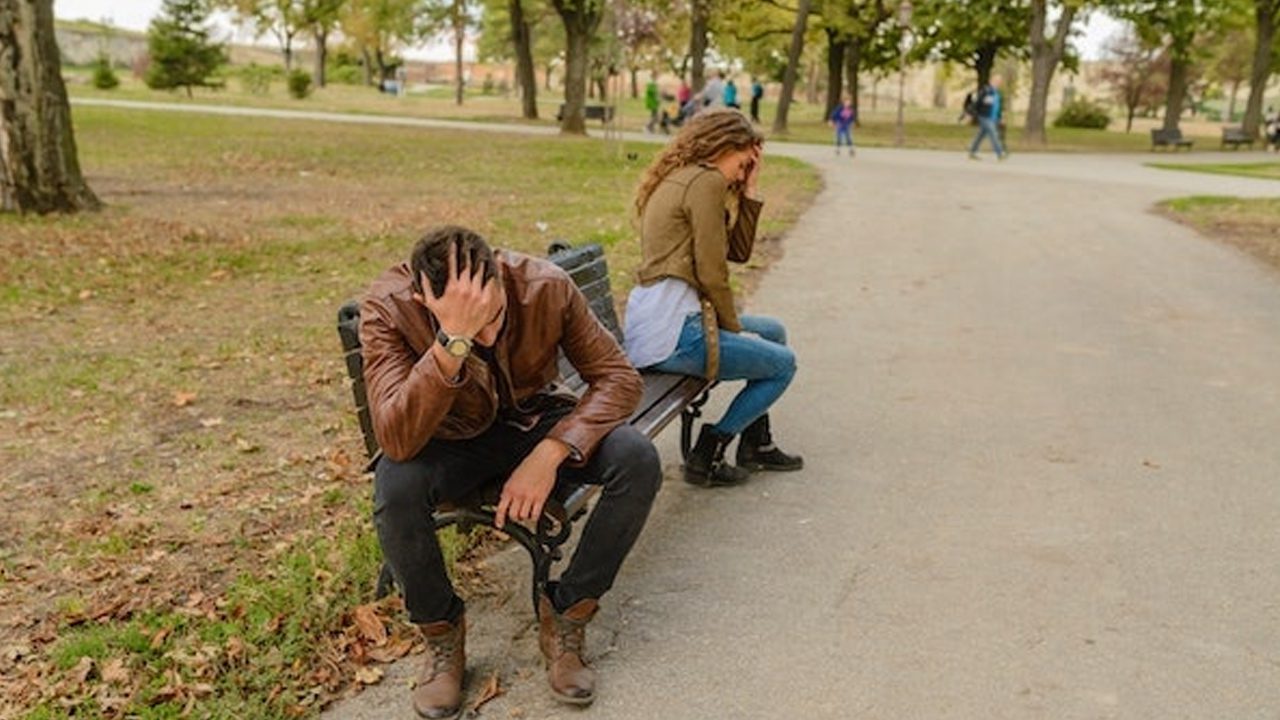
(586, 265)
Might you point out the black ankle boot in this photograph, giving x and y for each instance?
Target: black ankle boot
(705, 465)
(756, 450)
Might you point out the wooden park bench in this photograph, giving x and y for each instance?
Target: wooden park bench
(1169, 138)
(603, 113)
(666, 397)
(1235, 136)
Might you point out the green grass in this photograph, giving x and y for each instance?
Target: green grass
(1268, 170)
(1251, 224)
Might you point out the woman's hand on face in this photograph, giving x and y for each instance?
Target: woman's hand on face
(754, 162)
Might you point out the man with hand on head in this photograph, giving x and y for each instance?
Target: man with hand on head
(460, 361)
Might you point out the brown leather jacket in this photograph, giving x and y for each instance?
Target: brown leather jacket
(686, 233)
(412, 402)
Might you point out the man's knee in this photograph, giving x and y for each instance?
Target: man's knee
(771, 329)
(633, 460)
(401, 489)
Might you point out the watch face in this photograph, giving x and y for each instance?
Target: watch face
(458, 347)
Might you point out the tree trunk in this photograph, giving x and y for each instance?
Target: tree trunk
(1231, 106)
(1046, 53)
(286, 49)
(836, 47)
(322, 56)
(811, 85)
(39, 166)
(792, 71)
(602, 88)
(1177, 93)
(1128, 122)
(577, 32)
(522, 37)
(551, 64)
(1267, 13)
(368, 65)
(852, 67)
(459, 20)
(699, 20)
(635, 83)
(985, 60)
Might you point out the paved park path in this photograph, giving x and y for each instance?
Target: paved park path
(1042, 434)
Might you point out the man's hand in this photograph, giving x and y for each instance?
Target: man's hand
(527, 489)
(468, 302)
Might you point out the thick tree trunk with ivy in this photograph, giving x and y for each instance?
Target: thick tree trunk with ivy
(39, 168)
(580, 18)
(836, 48)
(1267, 14)
(699, 24)
(1046, 53)
(522, 38)
(1177, 96)
(792, 72)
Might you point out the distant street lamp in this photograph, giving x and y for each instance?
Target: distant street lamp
(904, 20)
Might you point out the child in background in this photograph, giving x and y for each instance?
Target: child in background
(842, 120)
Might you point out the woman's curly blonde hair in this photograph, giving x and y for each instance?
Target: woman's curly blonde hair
(706, 137)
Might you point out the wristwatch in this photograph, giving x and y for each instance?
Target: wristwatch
(458, 346)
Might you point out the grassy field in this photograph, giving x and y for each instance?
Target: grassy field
(1251, 224)
(1270, 170)
(926, 128)
(186, 513)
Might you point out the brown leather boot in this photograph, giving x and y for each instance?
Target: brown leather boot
(438, 692)
(561, 638)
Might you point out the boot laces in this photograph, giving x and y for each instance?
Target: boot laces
(570, 636)
(444, 652)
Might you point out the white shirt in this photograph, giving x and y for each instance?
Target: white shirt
(655, 317)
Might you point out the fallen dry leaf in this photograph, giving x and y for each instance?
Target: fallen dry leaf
(210, 422)
(369, 675)
(82, 670)
(370, 625)
(115, 672)
(491, 690)
(183, 399)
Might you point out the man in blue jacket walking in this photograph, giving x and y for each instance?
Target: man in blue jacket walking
(987, 109)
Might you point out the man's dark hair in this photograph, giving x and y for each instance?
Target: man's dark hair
(431, 256)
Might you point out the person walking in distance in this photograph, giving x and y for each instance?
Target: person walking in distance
(842, 119)
(988, 108)
(652, 103)
(757, 94)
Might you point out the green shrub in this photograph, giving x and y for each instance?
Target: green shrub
(256, 79)
(299, 84)
(346, 75)
(1083, 113)
(104, 77)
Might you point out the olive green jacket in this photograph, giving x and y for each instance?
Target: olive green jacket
(688, 231)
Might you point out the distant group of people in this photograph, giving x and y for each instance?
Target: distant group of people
(667, 110)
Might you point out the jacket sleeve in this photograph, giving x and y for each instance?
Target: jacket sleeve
(614, 387)
(742, 239)
(408, 395)
(704, 203)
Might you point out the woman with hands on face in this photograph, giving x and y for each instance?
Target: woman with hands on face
(698, 207)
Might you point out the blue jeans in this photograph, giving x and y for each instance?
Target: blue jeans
(987, 128)
(762, 358)
(844, 136)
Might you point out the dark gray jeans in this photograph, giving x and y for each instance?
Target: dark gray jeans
(625, 464)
